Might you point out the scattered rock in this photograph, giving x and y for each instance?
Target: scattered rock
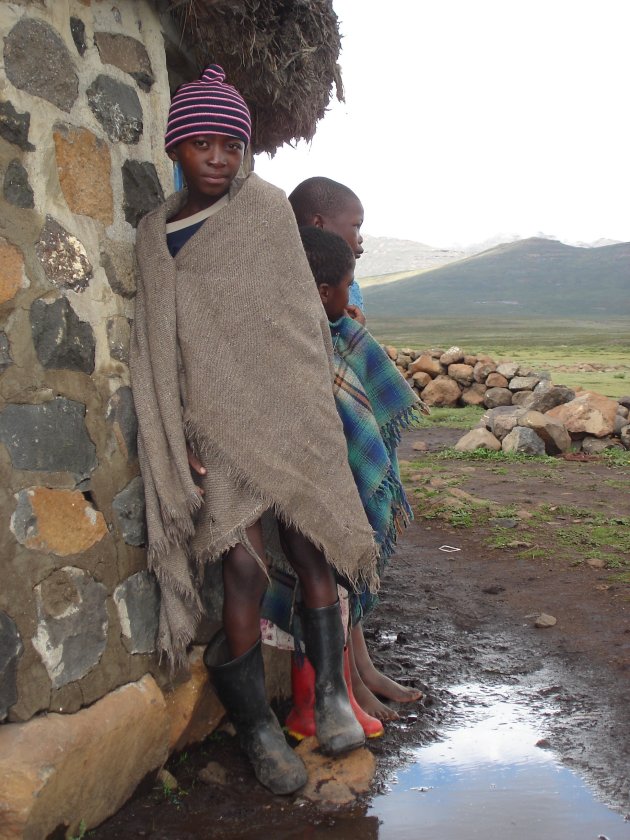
(494, 589)
(523, 440)
(545, 620)
(595, 446)
(504, 522)
(335, 781)
(596, 563)
(167, 780)
(543, 744)
(478, 439)
(420, 446)
(624, 436)
(213, 774)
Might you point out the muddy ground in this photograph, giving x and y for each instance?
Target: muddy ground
(451, 618)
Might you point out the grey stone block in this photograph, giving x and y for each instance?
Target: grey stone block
(63, 257)
(36, 60)
(117, 108)
(142, 190)
(14, 127)
(11, 648)
(129, 512)
(16, 188)
(61, 340)
(49, 437)
(138, 602)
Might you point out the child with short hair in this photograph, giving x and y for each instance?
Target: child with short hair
(331, 206)
(214, 261)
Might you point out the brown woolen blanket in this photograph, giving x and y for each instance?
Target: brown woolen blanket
(231, 352)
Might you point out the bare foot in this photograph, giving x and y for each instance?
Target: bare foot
(375, 681)
(371, 704)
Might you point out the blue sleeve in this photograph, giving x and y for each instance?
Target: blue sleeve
(356, 298)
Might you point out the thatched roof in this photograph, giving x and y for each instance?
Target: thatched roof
(281, 55)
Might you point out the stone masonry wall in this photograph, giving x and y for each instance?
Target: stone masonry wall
(83, 96)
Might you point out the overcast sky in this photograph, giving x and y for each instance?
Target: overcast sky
(465, 119)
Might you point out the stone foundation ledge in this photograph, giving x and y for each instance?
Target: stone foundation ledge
(58, 771)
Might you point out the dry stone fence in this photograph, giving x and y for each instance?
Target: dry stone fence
(526, 413)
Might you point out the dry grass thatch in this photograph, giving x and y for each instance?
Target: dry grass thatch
(281, 55)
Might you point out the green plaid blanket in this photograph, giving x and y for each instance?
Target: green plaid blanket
(375, 405)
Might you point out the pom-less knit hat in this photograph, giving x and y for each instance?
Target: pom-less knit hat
(207, 106)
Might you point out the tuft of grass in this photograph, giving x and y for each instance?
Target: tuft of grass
(617, 457)
(455, 418)
(490, 455)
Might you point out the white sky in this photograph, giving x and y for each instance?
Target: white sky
(465, 119)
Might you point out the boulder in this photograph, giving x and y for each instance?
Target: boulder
(503, 419)
(482, 371)
(624, 401)
(496, 380)
(523, 383)
(508, 369)
(523, 440)
(497, 396)
(523, 399)
(462, 374)
(588, 414)
(442, 391)
(474, 395)
(553, 434)
(61, 770)
(452, 356)
(427, 364)
(335, 781)
(595, 446)
(624, 436)
(478, 439)
(391, 351)
(420, 379)
(548, 396)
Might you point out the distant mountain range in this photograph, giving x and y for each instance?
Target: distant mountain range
(535, 277)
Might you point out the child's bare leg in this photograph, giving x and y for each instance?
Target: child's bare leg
(374, 680)
(244, 584)
(362, 694)
(317, 581)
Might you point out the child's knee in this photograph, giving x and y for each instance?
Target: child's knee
(242, 572)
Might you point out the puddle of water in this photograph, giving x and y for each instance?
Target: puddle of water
(488, 779)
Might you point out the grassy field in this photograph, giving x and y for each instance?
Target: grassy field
(549, 345)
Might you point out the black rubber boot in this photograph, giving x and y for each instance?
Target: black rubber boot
(240, 684)
(337, 728)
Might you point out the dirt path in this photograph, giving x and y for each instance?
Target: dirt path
(452, 618)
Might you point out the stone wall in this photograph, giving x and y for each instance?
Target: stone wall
(82, 105)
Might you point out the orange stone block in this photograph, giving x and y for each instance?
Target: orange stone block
(65, 522)
(193, 708)
(11, 269)
(85, 167)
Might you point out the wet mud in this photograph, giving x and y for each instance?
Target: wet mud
(522, 730)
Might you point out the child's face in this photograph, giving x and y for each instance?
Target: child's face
(347, 224)
(210, 163)
(336, 298)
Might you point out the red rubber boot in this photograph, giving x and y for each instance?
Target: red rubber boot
(300, 722)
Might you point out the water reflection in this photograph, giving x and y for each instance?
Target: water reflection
(488, 779)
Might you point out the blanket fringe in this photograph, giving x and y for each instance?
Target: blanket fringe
(365, 577)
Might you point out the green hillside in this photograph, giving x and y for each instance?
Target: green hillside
(539, 278)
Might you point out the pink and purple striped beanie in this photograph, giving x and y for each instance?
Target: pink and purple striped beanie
(207, 106)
